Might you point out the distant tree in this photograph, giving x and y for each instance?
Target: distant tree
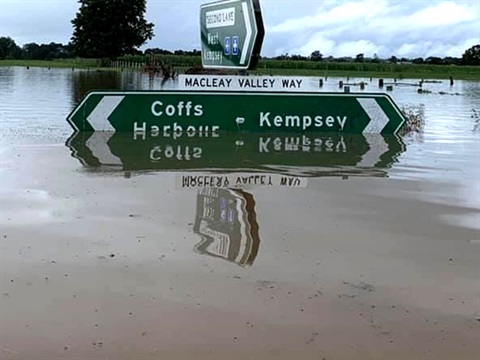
(285, 56)
(298, 57)
(375, 58)
(110, 28)
(418, 60)
(34, 51)
(9, 49)
(359, 58)
(157, 51)
(192, 53)
(31, 51)
(472, 56)
(316, 56)
(452, 60)
(393, 59)
(434, 60)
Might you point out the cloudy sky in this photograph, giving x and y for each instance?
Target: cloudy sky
(404, 28)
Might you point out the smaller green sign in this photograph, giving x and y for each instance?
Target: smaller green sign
(227, 225)
(231, 33)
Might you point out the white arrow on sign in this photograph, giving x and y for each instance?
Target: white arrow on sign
(377, 147)
(378, 118)
(98, 118)
(248, 37)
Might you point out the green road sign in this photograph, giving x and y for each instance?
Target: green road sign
(306, 155)
(232, 34)
(210, 113)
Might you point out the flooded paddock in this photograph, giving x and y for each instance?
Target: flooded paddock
(237, 246)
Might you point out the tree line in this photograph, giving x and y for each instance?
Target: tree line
(470, 57)
(54, 51)
(33, 51)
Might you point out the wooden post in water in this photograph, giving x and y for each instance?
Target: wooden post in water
(320, 82)
(380, 83)
(451, 81)
(340, 84)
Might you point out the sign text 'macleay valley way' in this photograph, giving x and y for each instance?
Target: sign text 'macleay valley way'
(199, 82)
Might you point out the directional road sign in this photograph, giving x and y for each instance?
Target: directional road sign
(214, 112)
(232, 34)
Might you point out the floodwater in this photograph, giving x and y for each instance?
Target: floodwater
(268, 246)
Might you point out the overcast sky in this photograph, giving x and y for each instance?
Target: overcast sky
(404, 28)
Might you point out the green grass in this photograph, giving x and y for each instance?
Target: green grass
(288, 67)
(373, 70)
(64, 63)
(412, 74)
(82, 64)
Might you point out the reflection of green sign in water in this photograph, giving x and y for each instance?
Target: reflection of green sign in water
(232, 34)
(296, 154)
(226, 222)
(210, 113)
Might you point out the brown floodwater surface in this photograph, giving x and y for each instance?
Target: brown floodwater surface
(106, 252)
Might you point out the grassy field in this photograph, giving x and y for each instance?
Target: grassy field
(288, 67)
(409, 74)
(64, 63)
(368, 70)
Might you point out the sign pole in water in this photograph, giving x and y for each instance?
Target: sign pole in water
(210, 113)
(232, 34)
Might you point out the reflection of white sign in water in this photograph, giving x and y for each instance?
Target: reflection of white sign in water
(239, 181)
(226, 222)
